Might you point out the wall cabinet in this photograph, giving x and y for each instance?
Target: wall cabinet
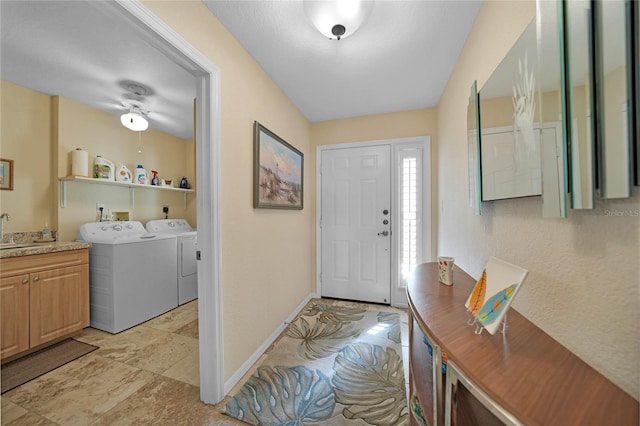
(523, 377)
(44, 298)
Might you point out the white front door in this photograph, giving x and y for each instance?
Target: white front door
(356, 223)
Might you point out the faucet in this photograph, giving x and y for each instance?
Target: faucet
(3, 216)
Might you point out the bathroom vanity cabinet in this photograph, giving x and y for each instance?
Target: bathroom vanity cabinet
(521, 377)
(44, 298)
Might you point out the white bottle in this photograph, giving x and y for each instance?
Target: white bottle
(141, 177)
(123, 174)
(103, 168)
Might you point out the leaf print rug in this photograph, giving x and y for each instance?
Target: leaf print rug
(338, 363)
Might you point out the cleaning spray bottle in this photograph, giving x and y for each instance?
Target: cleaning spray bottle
(154, 179)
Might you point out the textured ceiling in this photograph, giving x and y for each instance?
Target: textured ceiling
(85, 51)
(400, 58)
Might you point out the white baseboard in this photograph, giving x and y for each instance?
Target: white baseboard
(237, 376)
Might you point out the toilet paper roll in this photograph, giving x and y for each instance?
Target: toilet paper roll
(79, 163)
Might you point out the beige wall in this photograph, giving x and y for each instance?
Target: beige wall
(266, 254)
(25, 138)
(582, 286)
(422, 122)
(405, 124)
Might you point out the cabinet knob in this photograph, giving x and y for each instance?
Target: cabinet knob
(25, 281)
(36, 278)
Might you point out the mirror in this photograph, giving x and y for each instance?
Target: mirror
(614, 83)
(580, 87)
(473, 148)
(635, 13)
(510, 137)
(552, 95)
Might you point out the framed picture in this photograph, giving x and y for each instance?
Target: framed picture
(6, 174)
(277, 172)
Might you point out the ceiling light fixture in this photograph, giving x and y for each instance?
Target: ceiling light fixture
(134, 120)
(337, 19)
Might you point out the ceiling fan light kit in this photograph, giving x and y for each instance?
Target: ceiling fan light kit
(134, 120)
(337, 19)
(134, 100)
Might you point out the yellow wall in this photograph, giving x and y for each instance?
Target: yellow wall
(25, 136)
(405, 124)
(266, 254)
(582, 286)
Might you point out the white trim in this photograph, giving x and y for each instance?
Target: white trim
(208, 142)
(244, 368)
(423, 141)
(424, 251)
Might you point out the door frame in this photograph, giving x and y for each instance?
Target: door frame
(397, 299)
(208, 143)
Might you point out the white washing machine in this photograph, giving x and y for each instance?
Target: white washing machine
(130, 274)
(186, 241)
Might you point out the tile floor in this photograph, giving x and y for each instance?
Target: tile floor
(147, 375)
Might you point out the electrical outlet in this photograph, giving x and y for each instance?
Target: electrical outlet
(100, 212)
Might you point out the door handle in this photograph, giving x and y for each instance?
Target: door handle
(383, 233)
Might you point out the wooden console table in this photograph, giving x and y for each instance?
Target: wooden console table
(523, 377)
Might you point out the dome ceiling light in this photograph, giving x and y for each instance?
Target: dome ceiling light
(337, 19)
(134, 120)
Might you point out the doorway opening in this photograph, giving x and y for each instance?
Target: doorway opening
(208, 141)
(373, 218)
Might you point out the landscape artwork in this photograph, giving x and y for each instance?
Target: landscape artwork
(278, 172)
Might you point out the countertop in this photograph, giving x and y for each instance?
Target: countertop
(42, 248)
(526, 371)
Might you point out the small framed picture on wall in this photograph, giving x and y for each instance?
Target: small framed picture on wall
(6, 174)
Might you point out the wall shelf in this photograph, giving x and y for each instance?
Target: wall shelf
(132, 187)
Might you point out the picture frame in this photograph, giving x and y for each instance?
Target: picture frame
(6, 174)
(492, 295)
(278, 172)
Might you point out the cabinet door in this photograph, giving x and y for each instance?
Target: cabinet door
(14, 302)
(59, 303)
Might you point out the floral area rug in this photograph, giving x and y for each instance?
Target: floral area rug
(336, 364)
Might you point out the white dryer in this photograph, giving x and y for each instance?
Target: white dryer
(186, 242)
(130, 274)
